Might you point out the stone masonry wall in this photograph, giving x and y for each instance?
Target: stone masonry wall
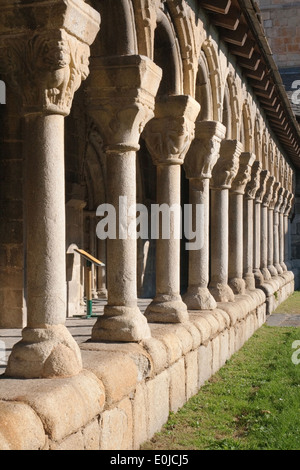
(281, 19)
(126, 391)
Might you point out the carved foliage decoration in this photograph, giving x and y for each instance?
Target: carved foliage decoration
(202, 157)
(269, 191)
(244, 173)
(168, 139)
(254, 182)
(227, 165)
(46, 69)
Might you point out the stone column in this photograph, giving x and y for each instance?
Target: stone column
(168, 137)
(264, 228)
(121, 100)
(271, 267)
(101, 274)
(277, 206)
(282, 210)
(250, 192)
(56, 55)
(287, 238)
(199, 162)
(236, 196)
(259, 278)
(223, 174)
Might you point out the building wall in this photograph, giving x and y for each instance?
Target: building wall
(281, 21)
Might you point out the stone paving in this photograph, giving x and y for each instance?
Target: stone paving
(81, 327)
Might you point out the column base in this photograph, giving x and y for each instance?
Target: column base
(283, 266)
(266, 274)
(167, 309)
(278, 268)
(199, 298)
(250, 281)
(259, 278)
(102, 293)
(272, 270)
(126, 324)
(222, 293)
(45, 353)
(237, 285)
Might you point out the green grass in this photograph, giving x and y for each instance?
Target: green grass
(290, 305)
(252, 403)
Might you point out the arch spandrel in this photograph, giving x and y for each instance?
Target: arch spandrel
(234, 106)
(246, 124)
(215, 78)
(203, 93)
(184, 21)
(264, 151)
(258, 141)
(167, 56)
(112, 41)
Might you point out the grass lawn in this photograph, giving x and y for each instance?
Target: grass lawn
(290, 305)
(252, 403)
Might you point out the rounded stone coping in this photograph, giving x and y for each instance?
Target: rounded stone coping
(62, 405)
(40, 409)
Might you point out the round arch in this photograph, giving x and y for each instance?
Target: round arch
(234, 106)
(204, 90)
(215, 78)
(246, 128)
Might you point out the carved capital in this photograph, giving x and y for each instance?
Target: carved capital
(276, 187)
(169, 134)
(45, 61)
(285, 200)
(227, 165)
(289, 205)
(121, 98)
(264, 175)
(269, 191)
(204, 150)
(279, 201)
(254, 182)
(244, 173)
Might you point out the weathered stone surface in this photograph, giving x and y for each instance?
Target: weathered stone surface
(140, 416)
(177, 385)
(117, 372)
(192, 372)
(63, 405)
(117, 427)
(205, 358)
(158, 401)
(20, 427)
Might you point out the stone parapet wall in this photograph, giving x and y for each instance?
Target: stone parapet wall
(125, 392)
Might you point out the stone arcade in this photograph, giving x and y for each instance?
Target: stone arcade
(161, 102)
